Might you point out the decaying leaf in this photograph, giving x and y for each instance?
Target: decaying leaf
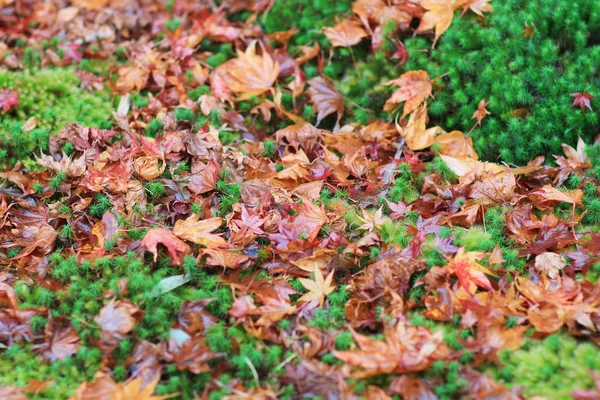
(414, 87)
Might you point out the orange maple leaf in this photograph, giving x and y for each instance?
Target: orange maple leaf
(199, 232)
(345, 34)
(249, 74)
(469, 272)
(438, 16)
(414, 87)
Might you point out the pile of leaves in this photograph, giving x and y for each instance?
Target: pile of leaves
(240, 228)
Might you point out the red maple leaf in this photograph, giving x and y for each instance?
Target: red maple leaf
(582, 100)
(8, 99)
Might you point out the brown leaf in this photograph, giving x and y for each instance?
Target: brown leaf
(406, 349)
(550, 264)
(345, 34)
(148, 168)
(224, 258)
(549, 196)
(118, 317)
(325, 98)
(199, 231)
(414, 87)
(249, 74)
(438, 16)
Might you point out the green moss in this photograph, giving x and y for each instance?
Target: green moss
(53, 96)
(493, 60)
(551, 368)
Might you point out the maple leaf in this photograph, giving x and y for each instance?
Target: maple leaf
(470, 274)
(438, 16)
(199, 232)
(478, 7)
(415, 133)
(325, 99)
(401, 54)
(549, 196)
(481, 112)
(414, 87)
(550, 264)
(406, 348)
(249, 74)
(89, 81)
(372, 221)
(581, 100)
(318, 289)
(118, 317)
(192, 355)
(529, 30)
(252, 222)
(62, 341)
(132, 78)
(225, 258)
(345, 34)
(8, 99)
(165, 237)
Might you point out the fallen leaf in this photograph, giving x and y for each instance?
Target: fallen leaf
(345, 34)
(318, 289)
(199, 231)
(325, 99)
(581, 100)
(249, 74)
(550, 264)
(438, 16)
(414, 87)
(8, 99)
(165, 237)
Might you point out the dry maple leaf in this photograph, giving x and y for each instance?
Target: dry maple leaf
(318, 289)
(165, 237)
(372, 221)
(118, 317)
(550, 264)
(224, 258)
(477, 6)
(406, 348)
(438, 16)
(105, 388)
(414, 87)
(199, 232)
(481, 112)
(73, 168)
(415, 133)
(345, 34)
(464, 166)
(549, 196)
(529, 30)
(325, 98)
(249, 74)
(469, 272)
(581, 100)
(8, 99)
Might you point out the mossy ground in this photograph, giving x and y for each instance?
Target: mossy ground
(490, 59)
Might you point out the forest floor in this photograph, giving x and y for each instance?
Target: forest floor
(299, 199)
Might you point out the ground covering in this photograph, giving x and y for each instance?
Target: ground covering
(299, 199)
